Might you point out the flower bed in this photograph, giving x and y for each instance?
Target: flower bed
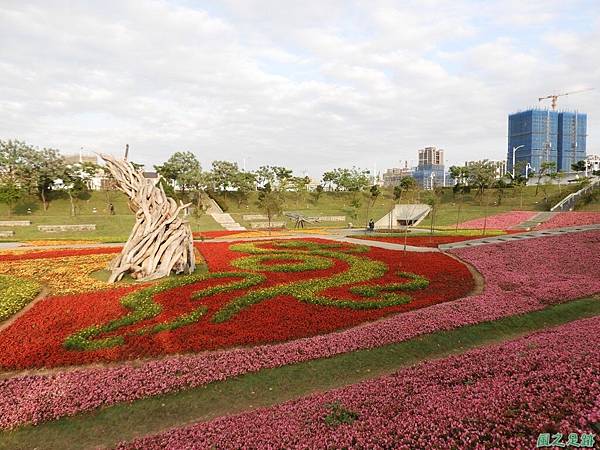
(312, 288)
(500, 221)
(555, 277)
(501, 396)
(570, 219)
(15, 293)
(66, 275)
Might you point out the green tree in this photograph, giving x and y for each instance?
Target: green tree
(481, 175)
(10, 193)
(182, 170)
(270, 202)
(300, 186)
(406, 184)
(546, 169)
(76, 182)
(223, 175)
(244, 183)
(316, 194)
(579, 166)
(374, 193)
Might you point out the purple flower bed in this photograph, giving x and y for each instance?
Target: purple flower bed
(496, 397)
(502, 396)
(501, 221)
(561, 268)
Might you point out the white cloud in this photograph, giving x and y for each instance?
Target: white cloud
(313, 85)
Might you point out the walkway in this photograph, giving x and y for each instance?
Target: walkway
(534, 221)
(222, 218)
(517, 237)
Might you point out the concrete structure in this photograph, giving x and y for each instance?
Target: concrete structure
(539, 135)
(403, 216)
(430, 172)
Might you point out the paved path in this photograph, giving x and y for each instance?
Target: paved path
(516, 237)
(536, 220)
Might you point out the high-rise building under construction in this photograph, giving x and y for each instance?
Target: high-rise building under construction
(540, 135)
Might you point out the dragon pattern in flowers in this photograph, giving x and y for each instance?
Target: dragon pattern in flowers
(288, 256)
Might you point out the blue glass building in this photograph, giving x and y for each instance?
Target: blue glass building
(572, 128)
(545, 135)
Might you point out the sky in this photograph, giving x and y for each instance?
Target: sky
(311, 85)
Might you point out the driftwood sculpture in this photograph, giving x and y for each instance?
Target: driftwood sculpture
(161, 241)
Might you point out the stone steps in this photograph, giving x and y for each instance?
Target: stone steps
(535, 221)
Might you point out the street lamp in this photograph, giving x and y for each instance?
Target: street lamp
(432, 176)
(513, 164)
(527, 167)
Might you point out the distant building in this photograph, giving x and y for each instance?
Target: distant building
(541, 135)
(499, 166)
(392, 177)
(593, 162)
(430, 172)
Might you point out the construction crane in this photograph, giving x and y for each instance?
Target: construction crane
(555, 97)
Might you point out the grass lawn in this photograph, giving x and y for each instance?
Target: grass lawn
(116, 228)
(105, 427)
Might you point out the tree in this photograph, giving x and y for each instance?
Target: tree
(270, 202)
(350, 180)
(406, 183)
(182, 170)
(244, 183)
(500, 186)
(10, 193)
(579, 166)
(223, 175)
(316, 195)
(545, 169)
(481, 175)
(300, 186)
(76, 182)
(374, 193)
(47, 165)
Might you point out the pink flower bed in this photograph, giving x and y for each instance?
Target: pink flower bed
(500, 221)
(501, 396)
(570, 219)
(554, 276)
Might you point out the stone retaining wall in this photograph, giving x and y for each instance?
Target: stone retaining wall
(15, 223)
(263, 225)
(57, 228)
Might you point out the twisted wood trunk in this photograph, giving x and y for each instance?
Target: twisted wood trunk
(161, 241)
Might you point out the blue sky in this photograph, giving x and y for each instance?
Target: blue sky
(312, 85)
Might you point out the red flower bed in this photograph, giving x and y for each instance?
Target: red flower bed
(421, 241)
(59, 253)
(36, 338)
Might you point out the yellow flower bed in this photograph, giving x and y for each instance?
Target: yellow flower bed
(15, 293)
(67, 275)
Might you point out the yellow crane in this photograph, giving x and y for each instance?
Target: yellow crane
(555, 97)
